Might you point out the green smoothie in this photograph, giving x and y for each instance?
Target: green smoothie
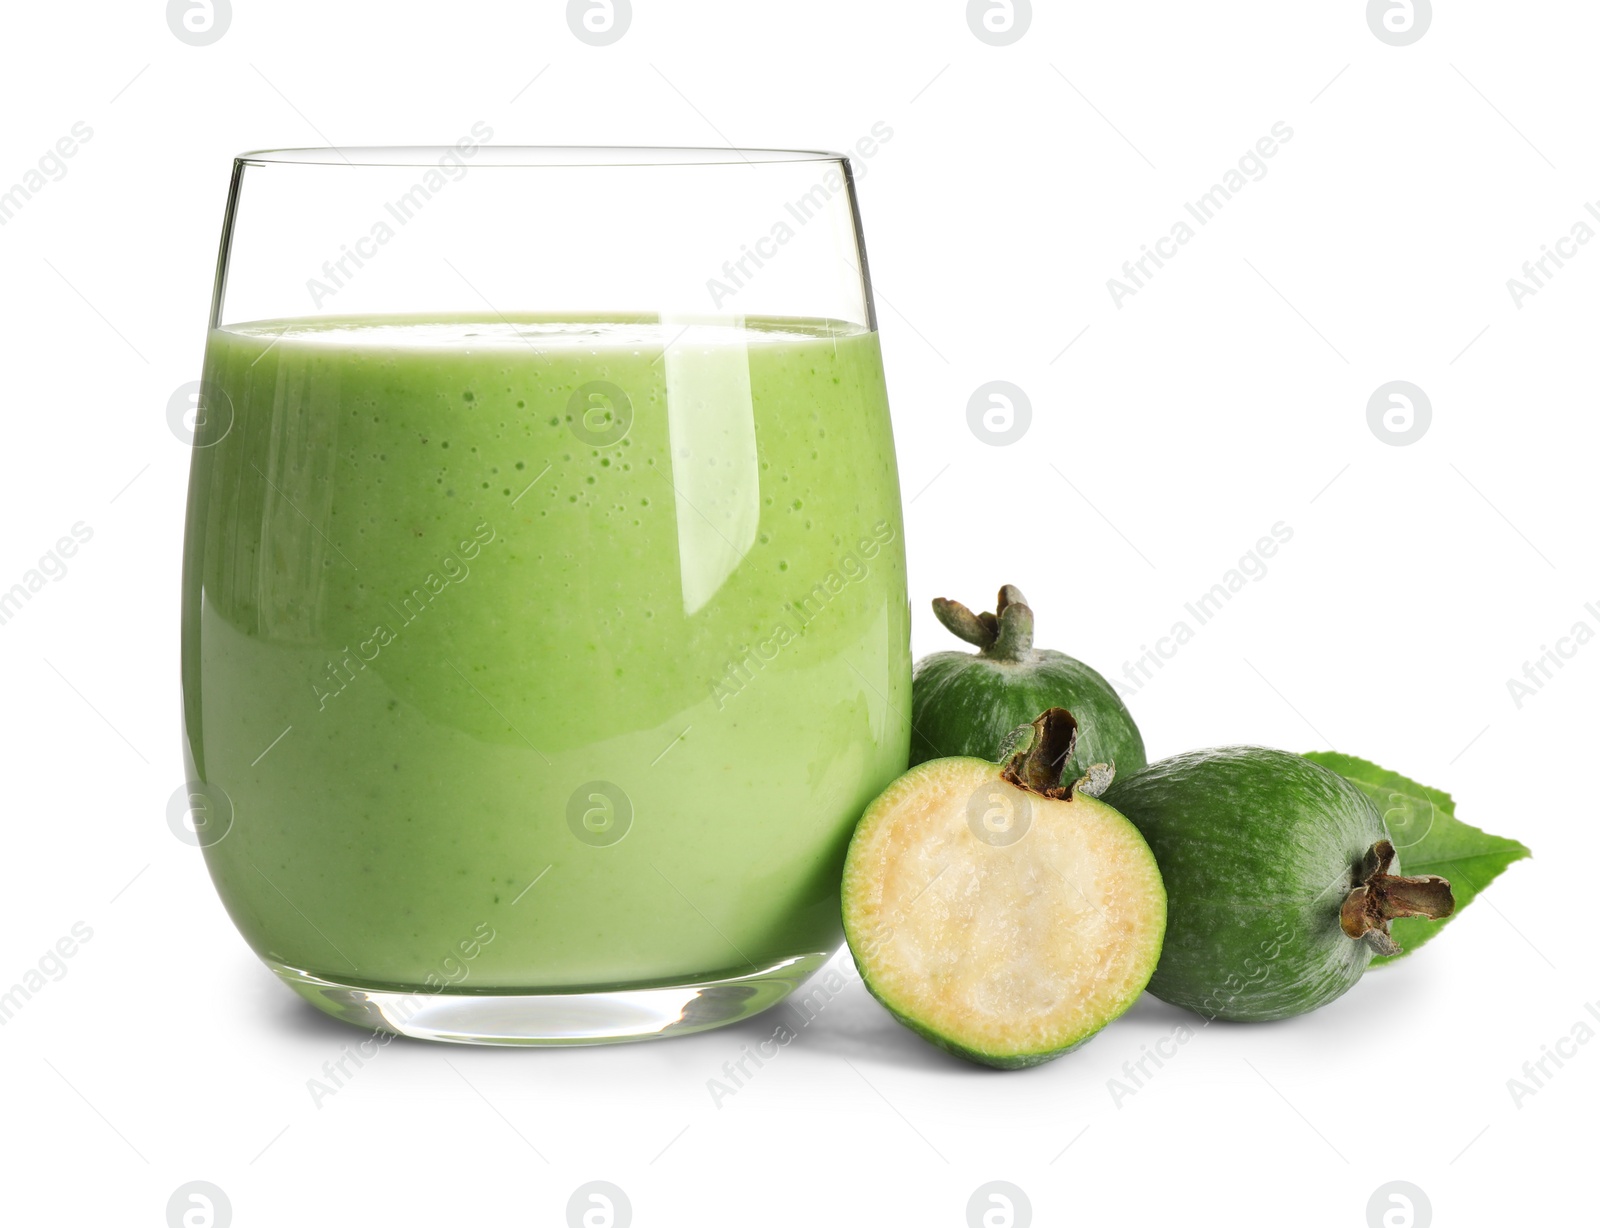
(540, 654)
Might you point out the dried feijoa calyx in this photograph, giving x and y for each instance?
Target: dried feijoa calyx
(963, 704)
(1281, 880)
(998, 911)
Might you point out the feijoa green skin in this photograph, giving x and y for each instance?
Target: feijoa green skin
(1280, 880)
(964, 704)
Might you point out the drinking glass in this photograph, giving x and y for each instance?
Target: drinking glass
(544, 611)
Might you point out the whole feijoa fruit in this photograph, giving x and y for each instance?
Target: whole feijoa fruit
(997, 912)
(963, 704)
(1281, 880)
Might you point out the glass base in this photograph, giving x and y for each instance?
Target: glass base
(596, 1017)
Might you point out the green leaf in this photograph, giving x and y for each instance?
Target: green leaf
(1429, 839)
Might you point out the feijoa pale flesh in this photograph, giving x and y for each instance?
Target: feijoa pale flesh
(1002, 914)
(1281, 880)
(963, 704)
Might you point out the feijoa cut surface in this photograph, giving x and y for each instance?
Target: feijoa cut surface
(1281, 880)
(963, 704)
(1000, 914)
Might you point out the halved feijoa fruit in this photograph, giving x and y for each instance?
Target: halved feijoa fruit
(1281, 880)
(1003, 915)
(964, 703)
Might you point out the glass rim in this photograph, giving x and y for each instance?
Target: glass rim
(553, 156)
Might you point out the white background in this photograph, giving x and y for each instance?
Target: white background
(1228, 395)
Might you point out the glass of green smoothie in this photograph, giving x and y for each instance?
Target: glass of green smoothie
(544, 608)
